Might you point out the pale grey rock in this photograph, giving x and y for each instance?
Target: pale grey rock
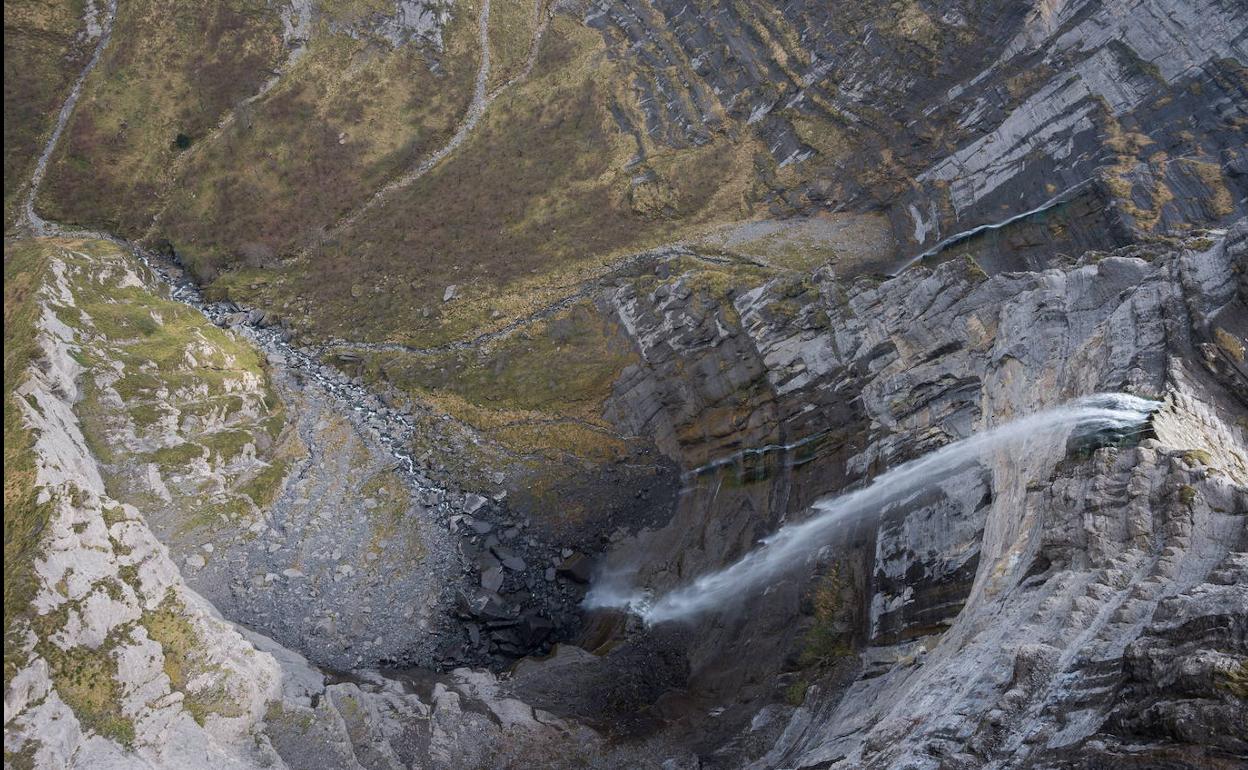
(261, 704)
(87, 556)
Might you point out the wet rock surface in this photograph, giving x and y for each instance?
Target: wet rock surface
(1053, 566)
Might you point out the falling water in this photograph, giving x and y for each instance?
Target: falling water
(1062, 197)
(789, 546)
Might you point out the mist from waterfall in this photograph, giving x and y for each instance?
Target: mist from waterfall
(789, 546)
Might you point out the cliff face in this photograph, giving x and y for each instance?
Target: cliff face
(1004, 616)
(1055, 572)
(952, 116)
(499, 301)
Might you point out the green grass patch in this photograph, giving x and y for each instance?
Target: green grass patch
(185, 662)
(264, 487)
(565, 365)
(512, 23)
(86, 680)
(795, 694)
(174, 458)
(225, 445)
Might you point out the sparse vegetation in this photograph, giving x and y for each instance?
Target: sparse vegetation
(541, 389)
(201, 682)
(828, 638)
(1221, 201)
(24, 516)
(1229, 344)
(512, 23)
(44, 49)
(795, 693)
(1198, 457)
(171, 68)
(975, 270)
(345, 121)
(86, 679)
(536, 197)
(172, 370)
(1234, 680)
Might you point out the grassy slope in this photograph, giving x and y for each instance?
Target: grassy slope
(539, 194)
(538, 393)
(540, 197)
(171, 68)
(512, 23)
(349, 117)
(24, 518)
(42, 56)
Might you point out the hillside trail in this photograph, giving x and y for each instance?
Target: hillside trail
(392, 429)
(482, 98)
(296, 25)
(388, 427)
(296, 28)
(37, 225)
(354, 398)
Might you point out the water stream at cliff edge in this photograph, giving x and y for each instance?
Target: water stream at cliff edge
(789, 546)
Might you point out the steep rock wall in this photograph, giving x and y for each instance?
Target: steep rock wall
(1088, 551)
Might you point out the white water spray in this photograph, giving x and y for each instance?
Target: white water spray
(791, 544)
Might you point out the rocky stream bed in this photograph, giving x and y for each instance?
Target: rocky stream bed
(504, 593)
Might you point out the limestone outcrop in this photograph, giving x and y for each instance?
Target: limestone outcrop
(118, 662)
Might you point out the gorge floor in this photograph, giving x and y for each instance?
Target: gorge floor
(474, 585)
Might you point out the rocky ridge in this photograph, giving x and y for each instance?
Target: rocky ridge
(115, 623)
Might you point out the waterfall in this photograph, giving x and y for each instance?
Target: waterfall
(1062, 197)
(789, 546)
